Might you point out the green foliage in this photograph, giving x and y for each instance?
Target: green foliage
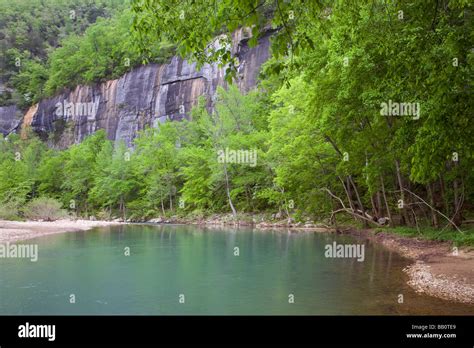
(44, 208)
(113, 180)
(156, 164)
(337, 62)
(104, 51)
(51, 174)
(323, 147)
(79, 170)
(29, 30)
(202, 30)
(9, 211)
(172, 169)
(218, 20)
(459, 239)
(18, 170)
(236, 124)
(367, 55)
(82, 43)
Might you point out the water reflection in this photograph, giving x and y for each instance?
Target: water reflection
(200, 262)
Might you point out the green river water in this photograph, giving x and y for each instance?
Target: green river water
(200, 263)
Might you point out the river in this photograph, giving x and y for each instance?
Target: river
(195, 270)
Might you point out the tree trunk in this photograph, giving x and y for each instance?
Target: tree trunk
(443, 195)
(234, 212)
(122, 207)
(162, 204)
(358, 199)
(347, 191)
(171, 201)
(348, 194)
(375, 213)
(389, 214)
(434, 215)
(404, 214)
(457, 217)
(379, 204)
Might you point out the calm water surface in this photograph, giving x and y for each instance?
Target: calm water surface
(199, 263)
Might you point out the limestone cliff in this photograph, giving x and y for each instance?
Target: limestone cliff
(10, 118)
(142, 97)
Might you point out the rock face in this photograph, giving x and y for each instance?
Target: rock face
(10, 118)
(145, 96)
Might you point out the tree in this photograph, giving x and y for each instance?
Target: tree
(79, 170)
(156, 163)
(113, 179)
(234, 125)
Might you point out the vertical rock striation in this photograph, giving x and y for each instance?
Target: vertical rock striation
(142, 97)
(10, 118)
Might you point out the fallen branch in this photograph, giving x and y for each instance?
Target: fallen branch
(352, 212)
(334, 196)
(432, 208)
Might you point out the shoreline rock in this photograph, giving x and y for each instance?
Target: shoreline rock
(14, 231)
(436, 270)
(423, 280)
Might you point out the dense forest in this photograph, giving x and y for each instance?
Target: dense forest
(364, 112)
(47, 46)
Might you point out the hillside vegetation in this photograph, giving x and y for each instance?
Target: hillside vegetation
(364, 112)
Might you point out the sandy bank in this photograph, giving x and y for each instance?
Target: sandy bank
(438, 269)
(12, 231)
